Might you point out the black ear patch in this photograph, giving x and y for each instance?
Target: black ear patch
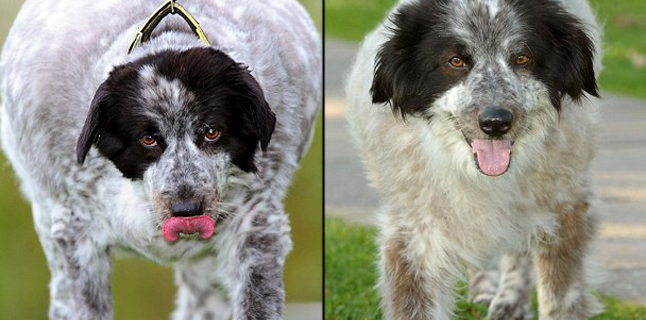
(408, 67)
(114, 122)
(256, 123)
(572, 62)
(114, 90)
(566, 53)
(225, 96)
(90, 131)
(227, 91)
(257, 110)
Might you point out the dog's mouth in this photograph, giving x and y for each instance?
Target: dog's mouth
(492, 156)
(174, 227)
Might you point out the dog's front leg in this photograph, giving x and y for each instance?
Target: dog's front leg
(199, 297)
(79, 266)
(512, 302)
(253, 257)
(417, 279)
(483, 283)
(562, 290)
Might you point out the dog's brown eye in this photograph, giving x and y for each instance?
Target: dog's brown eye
(148, 141)
(521, 60)
(211, 135)
(457, 62)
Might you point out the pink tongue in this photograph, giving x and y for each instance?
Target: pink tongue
(187, 225)
(493, 155)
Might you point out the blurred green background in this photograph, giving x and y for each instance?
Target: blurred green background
(144, 290)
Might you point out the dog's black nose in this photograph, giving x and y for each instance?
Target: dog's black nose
(187, 208)
(495, 121)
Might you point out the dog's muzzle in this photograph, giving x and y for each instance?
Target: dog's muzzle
(188, 218)
(493, 155)
(174, 226)
(495, 121)
(187, 208)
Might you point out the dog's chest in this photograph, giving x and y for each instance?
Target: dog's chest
(157, 249)
(478, 222)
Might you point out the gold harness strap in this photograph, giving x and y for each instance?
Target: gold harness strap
(169, 7)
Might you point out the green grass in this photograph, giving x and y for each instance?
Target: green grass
(350, 274)
(624, 26)
(144, 290)
(349, 277)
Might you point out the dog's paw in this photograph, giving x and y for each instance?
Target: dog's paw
(484, 298)
(509, 309)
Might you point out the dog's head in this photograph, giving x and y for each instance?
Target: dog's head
(181, 122)
(494, 71)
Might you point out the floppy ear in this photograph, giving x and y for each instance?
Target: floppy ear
(408, 84)
(385, 70)
(566, 55)
(104, 97)
(90, 132)
(407, 74)
(393, 61)
(266, 122)
(391, 65)
(575, 54)
(396, 80)
(258, 110)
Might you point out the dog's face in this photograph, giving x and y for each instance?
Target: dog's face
(180, 122)
(494, 70)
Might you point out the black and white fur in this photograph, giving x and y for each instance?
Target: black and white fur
(434, 78)
(75, 108)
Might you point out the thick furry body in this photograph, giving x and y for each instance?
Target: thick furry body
(414, 116)
(58, 54)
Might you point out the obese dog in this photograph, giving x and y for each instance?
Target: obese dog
(476, 122)
(178, 145)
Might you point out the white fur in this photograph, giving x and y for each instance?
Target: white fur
(55, 57)
(434, 198)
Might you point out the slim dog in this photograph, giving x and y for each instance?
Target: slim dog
(476, 123)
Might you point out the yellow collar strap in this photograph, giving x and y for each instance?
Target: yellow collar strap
(171, 7)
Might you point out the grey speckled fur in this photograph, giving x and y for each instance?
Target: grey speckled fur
(57, 54)
(439, 212)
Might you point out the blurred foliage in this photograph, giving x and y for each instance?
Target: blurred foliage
(352, 19)
(624, 40)
(625, 46)
(144, 290)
